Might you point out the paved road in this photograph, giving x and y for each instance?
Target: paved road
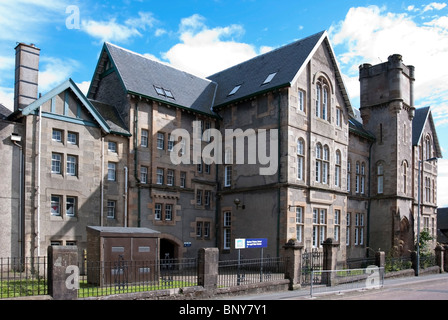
(424, 287)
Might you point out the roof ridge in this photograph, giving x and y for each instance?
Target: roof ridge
(157, 61)
(270, 52)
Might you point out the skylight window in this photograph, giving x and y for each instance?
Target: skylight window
(164, 92)
(168, 93)
(159, 91)
(234, 90)
(269, 78)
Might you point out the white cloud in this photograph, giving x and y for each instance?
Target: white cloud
(33, 15)
(442, 182)
(116, 32)
(7, 63)
(199, 43)
(7, 97)
(434, 6)
(54, 71)
(371, 34)
(84, 87)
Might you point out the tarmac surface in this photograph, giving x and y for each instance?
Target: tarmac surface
(424, 287)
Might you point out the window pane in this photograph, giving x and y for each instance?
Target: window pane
(71, 165)
(55, 206)
(56, 163)
(72, 138)
(111, 168)
(71, 206)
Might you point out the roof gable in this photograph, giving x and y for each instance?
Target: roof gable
(158, 81)
(68, 85)
(421, 117)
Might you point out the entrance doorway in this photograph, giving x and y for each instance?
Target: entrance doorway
(168, 249)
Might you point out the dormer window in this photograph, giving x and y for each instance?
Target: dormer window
(269, 78)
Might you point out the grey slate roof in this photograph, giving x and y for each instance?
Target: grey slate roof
(356, 127)
(418, 123)
(140, 75)
(285, 62)
(113, 119)
(4, 112)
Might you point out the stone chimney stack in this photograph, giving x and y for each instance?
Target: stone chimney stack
(26, 75)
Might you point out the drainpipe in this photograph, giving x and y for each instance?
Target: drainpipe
(125, 196)
(38, 180)
(136, 163)
(278, 172)
(369, 200)
(102, 182)
(15, 140)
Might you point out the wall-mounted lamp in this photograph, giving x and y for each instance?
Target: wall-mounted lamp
(291, 206)
(237, 203)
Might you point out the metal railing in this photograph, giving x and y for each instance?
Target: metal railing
(248, 271)
(21, 277)
(398, 263)
(108, 278)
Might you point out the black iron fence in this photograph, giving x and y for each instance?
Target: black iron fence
(356, 263)
(247, 271)
(121, 276)
(21, 277)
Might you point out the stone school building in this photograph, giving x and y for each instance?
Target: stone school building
(312, 166)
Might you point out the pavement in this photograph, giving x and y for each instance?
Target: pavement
(423, 287)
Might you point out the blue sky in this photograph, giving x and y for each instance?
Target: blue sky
(203, 37)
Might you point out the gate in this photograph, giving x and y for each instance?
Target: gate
(311, 261)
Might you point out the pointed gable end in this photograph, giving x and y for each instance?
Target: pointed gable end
(65, 111)
(421, 118)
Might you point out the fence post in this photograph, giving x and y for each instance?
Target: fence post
(63, 272)
(445, 258)
(208, 260)
(330, 249)
(380, 259)
(440, 253)
(293, 255)
(415, 262)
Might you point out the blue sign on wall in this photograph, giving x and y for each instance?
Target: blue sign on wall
(251, 243)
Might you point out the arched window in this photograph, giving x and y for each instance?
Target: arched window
(363, 177)
(325, 165)
(428, 150)
(318, 162)
(300, 158)
(405, 177)
(357, 181)
(318, 99)
(349, 175)
(325, 103)
(337, 169)
(323, 99)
